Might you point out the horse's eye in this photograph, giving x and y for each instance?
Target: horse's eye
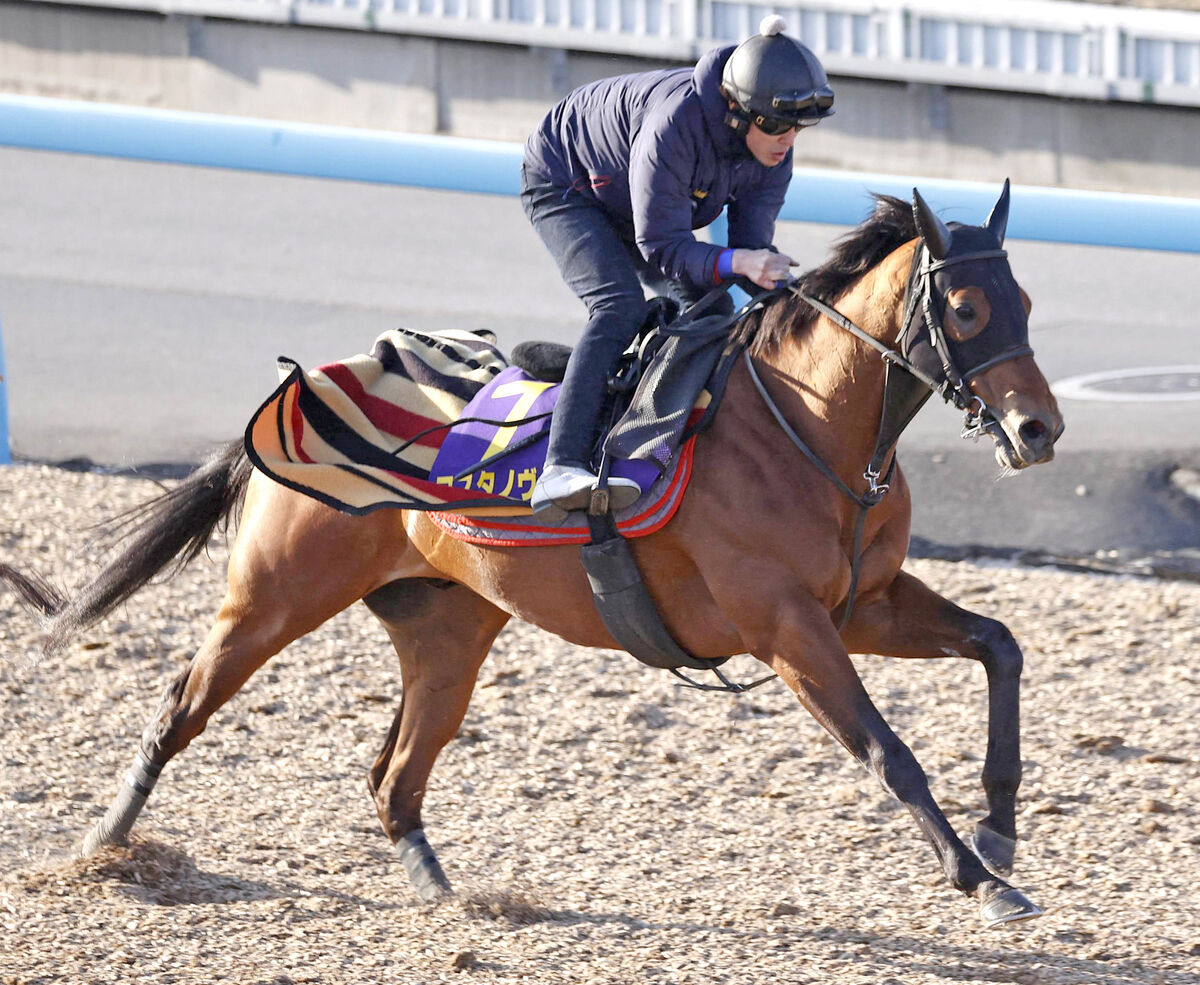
(966, 314)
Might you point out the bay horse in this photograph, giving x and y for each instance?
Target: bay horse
(758, 559)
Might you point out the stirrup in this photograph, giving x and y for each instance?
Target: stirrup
(577, 489)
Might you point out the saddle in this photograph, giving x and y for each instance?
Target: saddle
(498, 444)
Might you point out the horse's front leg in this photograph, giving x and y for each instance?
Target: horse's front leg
(798, 640)
(911, 620)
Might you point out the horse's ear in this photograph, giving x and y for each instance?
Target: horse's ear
(934, 232)
(997, 222)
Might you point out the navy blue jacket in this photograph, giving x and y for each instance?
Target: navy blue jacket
(653, 149)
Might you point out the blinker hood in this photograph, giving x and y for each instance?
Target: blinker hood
(954, 255)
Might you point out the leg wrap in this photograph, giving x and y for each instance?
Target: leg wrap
(114, 827)
(422, 866)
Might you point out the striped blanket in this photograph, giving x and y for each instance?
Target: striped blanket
(362, 434)
(375, 431)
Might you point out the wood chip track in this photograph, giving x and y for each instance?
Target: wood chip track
(601, 825)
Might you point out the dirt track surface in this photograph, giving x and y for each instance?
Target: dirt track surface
(600, 824)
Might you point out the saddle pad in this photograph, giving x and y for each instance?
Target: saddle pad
(506, 459)
(650, 513)
(363, 433)
(394, 429)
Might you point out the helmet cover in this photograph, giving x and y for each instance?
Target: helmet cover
(772, 77)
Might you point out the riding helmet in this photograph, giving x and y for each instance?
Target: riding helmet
(772, 77)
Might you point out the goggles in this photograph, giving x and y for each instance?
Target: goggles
(773, 126)
(795, 110)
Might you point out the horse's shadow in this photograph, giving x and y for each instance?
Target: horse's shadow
(908, 957)
(157, 874)
(1000, 957)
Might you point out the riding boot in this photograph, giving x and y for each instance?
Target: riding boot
(568, 479)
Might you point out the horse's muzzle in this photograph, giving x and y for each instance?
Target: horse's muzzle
(1024, 407)
(1027, 439)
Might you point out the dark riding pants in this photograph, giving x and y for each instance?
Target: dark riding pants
(606, 271)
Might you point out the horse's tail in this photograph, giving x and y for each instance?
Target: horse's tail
(170, 529)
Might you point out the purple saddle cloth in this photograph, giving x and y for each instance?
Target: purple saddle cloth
(498, 446)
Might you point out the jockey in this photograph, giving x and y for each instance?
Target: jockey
(618, 175)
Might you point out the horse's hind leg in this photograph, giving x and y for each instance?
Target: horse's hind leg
(442, 633)
(912, 620)
(238, 644)
(292, 568)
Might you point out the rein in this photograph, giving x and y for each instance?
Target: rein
(897, 413)
(871, 497)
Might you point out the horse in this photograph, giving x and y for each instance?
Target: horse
(771, 552)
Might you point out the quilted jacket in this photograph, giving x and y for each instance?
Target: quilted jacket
(654, 151)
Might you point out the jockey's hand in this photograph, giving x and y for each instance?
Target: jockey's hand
(765, 268)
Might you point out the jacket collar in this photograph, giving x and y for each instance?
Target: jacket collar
(706, 80)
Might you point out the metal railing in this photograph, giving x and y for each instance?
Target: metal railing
(1082, 50)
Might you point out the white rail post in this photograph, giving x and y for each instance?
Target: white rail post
(897, 40)
(689, 20)
(877, 26)
(1110, 59)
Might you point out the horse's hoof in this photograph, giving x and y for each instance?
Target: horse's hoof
(421, 864)
(98, 837)
(993, 849)
(1008, 907)
(92, 843)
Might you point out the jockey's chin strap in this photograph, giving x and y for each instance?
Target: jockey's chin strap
(907, 386)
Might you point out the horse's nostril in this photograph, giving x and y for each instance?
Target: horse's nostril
(1032, 431)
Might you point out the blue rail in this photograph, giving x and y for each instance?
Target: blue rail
(454, 163)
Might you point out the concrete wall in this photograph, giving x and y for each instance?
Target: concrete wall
(494, 91)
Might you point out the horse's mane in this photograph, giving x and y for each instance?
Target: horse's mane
(864, 247)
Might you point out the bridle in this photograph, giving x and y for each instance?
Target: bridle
(923, 363)
(920, 296)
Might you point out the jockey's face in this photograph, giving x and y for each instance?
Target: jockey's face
(766, 149)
